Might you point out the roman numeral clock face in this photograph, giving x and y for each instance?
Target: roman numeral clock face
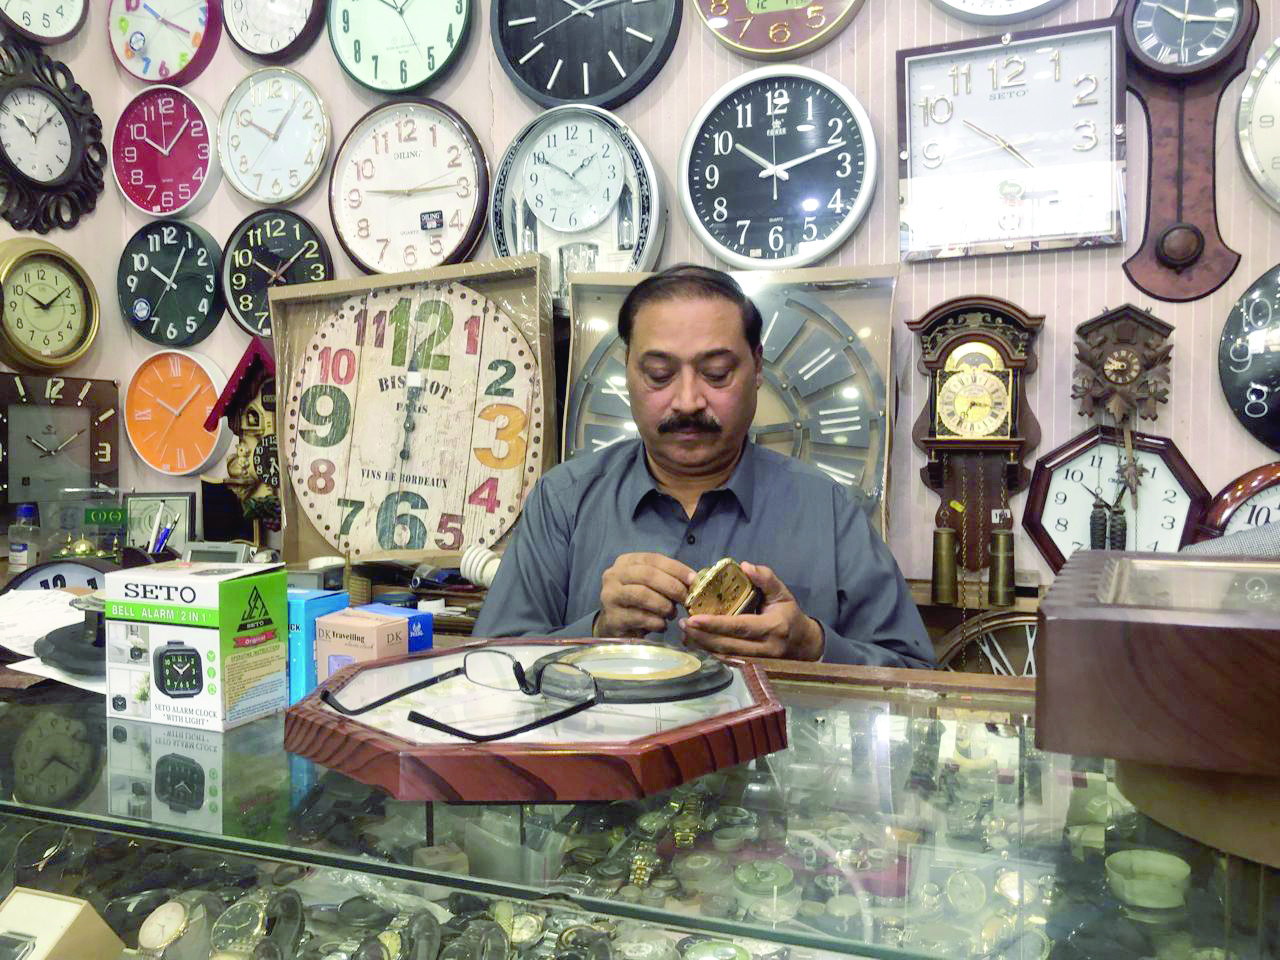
(1184, 34)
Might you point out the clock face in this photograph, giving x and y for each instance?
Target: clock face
(44, 21)
(179, 672)
(776, 29)
(34, 134)
(50, 313)
(1249, 359)
(1009, 147)
(56, 574)
(778, 168)
(164, 41)
(601, 53)
(1121, 366)
(167, 283)
(163, 925)
(1258, 125)
(268, 249)
(576, 185)
(974, 402)
(408, 188)
(997, 11)
(1251, 500)
(397, 45)
(1167, 35)
(54, 759)
(273, 136)
(1067, 482)
(275, 30)
(162, 153)
(165, 407)
(365, 470)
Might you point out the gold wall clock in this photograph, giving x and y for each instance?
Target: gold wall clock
(776, 29)
(50, 314)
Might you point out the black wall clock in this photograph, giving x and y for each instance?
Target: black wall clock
(601, 52)
(1249, 358)
(167, 283)
(51, 152)
(269, 248)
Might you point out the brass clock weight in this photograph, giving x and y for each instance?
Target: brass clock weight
(975, 430)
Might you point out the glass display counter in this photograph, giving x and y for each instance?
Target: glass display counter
(911, 814)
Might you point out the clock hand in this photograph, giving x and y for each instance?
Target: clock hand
(65, 442)
(55, 297)
(168, 283)
(1000, 142)
(40, 303)
(765, 165)
(578, 168)
(39, 444)
(287, 114)
(168, 23)
(174, 142)
(410, 191)
(156, 399)
(783, 167)
(289, 263)
(595, 5)
(275, 276)
(773, 166)
(23, 123)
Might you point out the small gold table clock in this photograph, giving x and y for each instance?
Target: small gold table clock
(723, 589)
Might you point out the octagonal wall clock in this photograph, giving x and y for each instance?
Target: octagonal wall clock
(776, 29)
(164, 41)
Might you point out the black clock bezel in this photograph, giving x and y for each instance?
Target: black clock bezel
(216, 306)
(237, 234)
(1180, 71)
(442, 71)
(30, 204)
(1237, 385)
(28, 34)
(175, 648)
(625, 89)
(291, 51)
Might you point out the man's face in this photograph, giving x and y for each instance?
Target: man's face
(692, 379)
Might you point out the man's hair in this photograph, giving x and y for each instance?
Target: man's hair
(687, 281)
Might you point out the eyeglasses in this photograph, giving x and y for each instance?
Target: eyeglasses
(496, 670)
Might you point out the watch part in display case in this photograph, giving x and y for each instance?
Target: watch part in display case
(396, 206)
(602, 57)
(45, 21)
(1249, 358)
(1082, 496)
(776, 29)
(1251, 500)
(148, 514)
(825, 345)
(51, 152)
(50, 314)
(162, 153)
(59, 438)
(577, 185)
(271, 30)
(167, 283)
(270, 248)
(394, 54)
(778, 168)
(165, 406)
(1180, 63)
(1258, 125)
(1013, 144)
(164, 41)
(180, 927)
(249, 404)
(997, 11)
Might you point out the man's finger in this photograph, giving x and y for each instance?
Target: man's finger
(768, 582)
(735, 646)
(748, 626)
(637, 596)
(659, 581)
(685, 574)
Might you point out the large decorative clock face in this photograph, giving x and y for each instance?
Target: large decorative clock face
(1249, 359)
(275, 30)
(162, 153)
(1187, 36)
(1251, 500)
(268, 249)
(974, 402)
(397, 45)
(997, 11)
(414, 421)
(167, 283)
(34, 134)
(166, 404)
(1067, 482)
(409, 188)
(273, 136)
(601, 53)
(778, 168)
(577, 186)
(776, 29)
(164, 41)
(44, 21)
(1012, 144)
(49, 317)
(1258, 125)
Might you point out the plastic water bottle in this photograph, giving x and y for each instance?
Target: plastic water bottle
(24, 539)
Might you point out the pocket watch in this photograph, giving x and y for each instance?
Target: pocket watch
(776, 29)
(273, 30)
(1258, 133)
(397, 45)
(1249, 359)
(966, 892)
(167, 283)
(273, 136)
(778, 168)
(163, 154)
(165, 406)
(409, 188)
(267, 249)
(164, 41)
(578, 186)
(50, 313)
(45, 21)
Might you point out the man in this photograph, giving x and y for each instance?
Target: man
(609, 543)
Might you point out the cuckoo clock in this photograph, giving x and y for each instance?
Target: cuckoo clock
(1122, 366)
(249, 404)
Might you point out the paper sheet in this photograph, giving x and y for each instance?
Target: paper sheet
(41, 669)
(28, 615)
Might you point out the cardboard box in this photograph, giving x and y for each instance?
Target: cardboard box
(201, 645)
(351, 636)
(421, 623)
(49, 926)
(304, 607)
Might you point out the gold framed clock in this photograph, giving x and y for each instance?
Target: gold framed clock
(415, 409)
(49, 318)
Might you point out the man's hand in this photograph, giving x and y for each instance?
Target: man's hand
(781, 629)
(639, 593)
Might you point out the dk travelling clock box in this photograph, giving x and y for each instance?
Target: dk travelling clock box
(200, 645)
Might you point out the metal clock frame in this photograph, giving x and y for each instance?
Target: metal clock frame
(953, 8)
(300, 44)
(13, 26)
(213, 165)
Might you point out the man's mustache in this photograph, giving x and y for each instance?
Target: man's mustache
(701, 422)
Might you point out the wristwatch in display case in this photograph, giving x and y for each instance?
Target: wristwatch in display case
(177, 670)
(179, 929)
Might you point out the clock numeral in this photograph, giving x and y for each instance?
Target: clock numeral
(1258, 515)
(455, 155)
(353, 508)
(425, 356)
(711, 176)
(1167, 522)
(719, 8)
(1014, 67)
(957, 74)
(451, 524)
(364, 168)
(1088, 136)
(329, 409)
(837, 132)
(53, 388)
(743, 226)
(720, 210)
(401, 531)
(1256, 400)
(103, 452)
(505, 370)
(473, 334)
(321, 478)
(1170, 496)
(931, 154)
(485, 495)
(815, 16)
(1060, 498)
(339, 364)
(744, 116)
(510, 434)
(1074, 475)
(1085, 98)
(936, 109)
(1060, 524)
(780, 32)
(777, 102)
(723, 143)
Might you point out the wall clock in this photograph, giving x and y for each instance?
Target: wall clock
(409, 188)
(50, 314)
(1249, 359)
(778, 168)
(1250, 500)
(165, 406)
(997, 11)
(1258, 125)
(162, 153)
(1012, 144)
(167, 283)
(776, 29)
(267, 249)
(578, 186)
(397, 45)
(1071, 484)
(51, 152)
(44, 21)
(273, 30)
(273, 136)
(1180, 62)
(375, 469)
(1122, 366)
(164, 41)
(599, 56)
(61, 438)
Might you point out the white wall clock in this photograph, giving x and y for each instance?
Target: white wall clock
(164, 41)
(45, 21)
(1250, 500)
(273, 30)
(997, 11)
(1258, 125)
(396, 45)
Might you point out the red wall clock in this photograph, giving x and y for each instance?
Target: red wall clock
(162, 153)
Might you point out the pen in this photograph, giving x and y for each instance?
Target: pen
(155, 532)
(165, 534)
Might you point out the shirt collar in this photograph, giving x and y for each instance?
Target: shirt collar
(638, 484)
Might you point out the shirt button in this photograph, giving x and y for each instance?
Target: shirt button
(691, 539)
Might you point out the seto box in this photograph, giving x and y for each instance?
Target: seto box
(420, 622)
(305, 606)
(201, 645)
(356, 635)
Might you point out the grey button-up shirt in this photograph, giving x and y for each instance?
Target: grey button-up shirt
(774, 510)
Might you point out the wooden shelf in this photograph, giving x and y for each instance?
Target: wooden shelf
(975, 594)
